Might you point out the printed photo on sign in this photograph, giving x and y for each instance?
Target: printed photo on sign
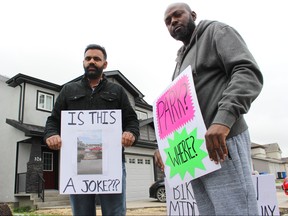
(90, 158)
(180, 132)
(89, 152)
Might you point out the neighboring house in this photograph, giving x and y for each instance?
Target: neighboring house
(25, 159)
(267, 159)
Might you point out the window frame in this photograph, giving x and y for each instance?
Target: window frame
(39, 93)
(51, 165)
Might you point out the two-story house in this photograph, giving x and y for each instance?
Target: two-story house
(27, 164)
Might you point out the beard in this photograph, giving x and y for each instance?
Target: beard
(186, 32)
(96, 73)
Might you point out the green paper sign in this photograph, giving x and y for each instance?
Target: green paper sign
(184, 154)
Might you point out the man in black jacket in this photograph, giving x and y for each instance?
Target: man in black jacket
(94, 92)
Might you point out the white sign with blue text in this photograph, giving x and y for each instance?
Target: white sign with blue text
(91, 152)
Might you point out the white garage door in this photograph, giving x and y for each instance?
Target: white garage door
(140, 176)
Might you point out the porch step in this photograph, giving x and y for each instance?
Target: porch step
(53, 204)
(52, 199)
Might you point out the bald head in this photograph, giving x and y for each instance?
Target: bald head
(180, 21)
(179, 5)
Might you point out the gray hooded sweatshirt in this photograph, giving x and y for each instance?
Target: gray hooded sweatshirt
(226, 76)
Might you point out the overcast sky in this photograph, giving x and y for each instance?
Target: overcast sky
(46, 39)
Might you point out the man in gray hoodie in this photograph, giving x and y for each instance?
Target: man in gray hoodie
(227, 80)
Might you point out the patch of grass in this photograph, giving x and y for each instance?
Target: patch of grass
(279, 180)
(22, 209)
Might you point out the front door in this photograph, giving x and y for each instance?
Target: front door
(50, 168)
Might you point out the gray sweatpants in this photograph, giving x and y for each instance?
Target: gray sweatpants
(229, 190)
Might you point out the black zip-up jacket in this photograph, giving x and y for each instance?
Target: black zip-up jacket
(79, 96)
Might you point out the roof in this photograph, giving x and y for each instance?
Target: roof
(273, 147)
(254, 145)
(22, 78)
(146, 144)
(116, 74)
(28, 129)
(148, 121)
(124, 82)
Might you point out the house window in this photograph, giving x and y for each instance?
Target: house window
(47, 161)
(140, 161)
(45, 101)
(141, 115)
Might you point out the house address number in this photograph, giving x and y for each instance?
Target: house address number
(38, 159)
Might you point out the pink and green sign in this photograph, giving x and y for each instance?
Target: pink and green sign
(180, 131)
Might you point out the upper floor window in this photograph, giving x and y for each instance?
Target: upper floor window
(141, 115)
(45, 101)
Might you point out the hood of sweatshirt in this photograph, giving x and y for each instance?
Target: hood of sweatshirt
(200, 28)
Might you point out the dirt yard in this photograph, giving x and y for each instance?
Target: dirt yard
(139, 211)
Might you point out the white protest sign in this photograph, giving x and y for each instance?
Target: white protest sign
(91, 152)
(266, 194)
(180, 132)
(180, 200)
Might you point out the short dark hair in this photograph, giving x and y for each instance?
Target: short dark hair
(98, 47)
